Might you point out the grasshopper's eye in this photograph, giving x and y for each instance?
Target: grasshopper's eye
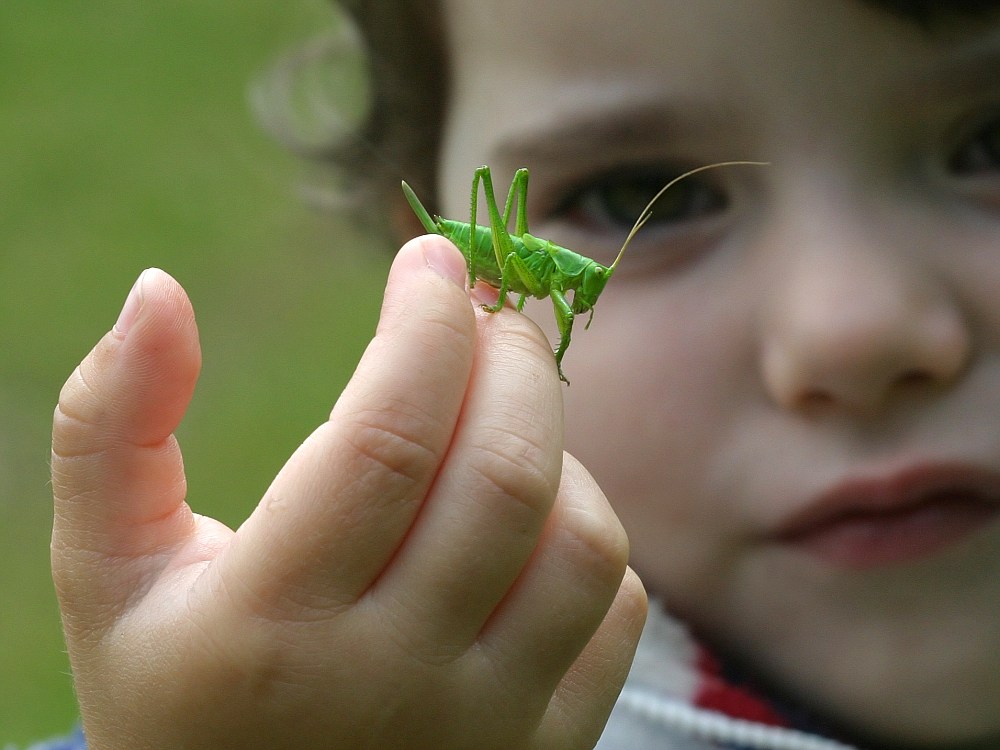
(614, 201)
(980, 153)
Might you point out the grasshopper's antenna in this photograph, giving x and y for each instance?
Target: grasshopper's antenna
(647, 212)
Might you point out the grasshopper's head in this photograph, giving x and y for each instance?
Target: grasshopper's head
(595, 277)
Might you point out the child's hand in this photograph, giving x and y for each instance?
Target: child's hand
(427, 571)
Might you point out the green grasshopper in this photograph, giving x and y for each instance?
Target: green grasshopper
(527, 265)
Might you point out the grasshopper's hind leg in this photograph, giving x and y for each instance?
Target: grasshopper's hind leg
(519, 191)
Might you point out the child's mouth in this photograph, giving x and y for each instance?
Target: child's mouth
(869, 523)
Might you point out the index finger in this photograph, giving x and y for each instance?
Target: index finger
(337, 511)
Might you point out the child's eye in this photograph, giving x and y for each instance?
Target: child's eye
(980, 153)
(613, 201)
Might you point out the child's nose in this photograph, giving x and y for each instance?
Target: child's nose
(855, 323)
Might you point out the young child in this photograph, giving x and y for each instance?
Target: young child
(790, 397)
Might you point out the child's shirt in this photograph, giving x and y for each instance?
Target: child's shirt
(679, 697)
(74, 741)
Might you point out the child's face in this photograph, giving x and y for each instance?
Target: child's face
(791, 388)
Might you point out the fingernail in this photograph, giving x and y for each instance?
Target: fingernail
(130, 310)
(446, 262)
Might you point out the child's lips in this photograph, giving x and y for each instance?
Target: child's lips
(869, 521)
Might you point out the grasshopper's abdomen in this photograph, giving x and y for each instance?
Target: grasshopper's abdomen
(478, 252)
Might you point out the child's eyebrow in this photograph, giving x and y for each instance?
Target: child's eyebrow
(965, 72)
(933, 15)
(618, 126)
(969, 70)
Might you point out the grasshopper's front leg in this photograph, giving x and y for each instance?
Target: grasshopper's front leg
(564, 320)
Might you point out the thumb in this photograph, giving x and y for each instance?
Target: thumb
(117, 474)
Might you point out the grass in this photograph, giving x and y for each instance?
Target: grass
(127, 143)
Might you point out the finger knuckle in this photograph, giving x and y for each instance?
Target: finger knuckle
(394, 439)
(597, 544)
(517, 469)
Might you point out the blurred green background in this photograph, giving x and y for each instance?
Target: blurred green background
(126, 141)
